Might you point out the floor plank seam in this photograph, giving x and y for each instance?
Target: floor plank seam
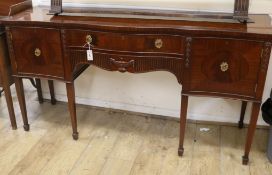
(134, 161)
(193, 148)
(79, 157)
(91, 139)
(115, 143)
(220, 147)
(107, 157)
(33, 146)
(162, 137)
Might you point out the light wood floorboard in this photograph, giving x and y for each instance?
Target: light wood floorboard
(115, 143)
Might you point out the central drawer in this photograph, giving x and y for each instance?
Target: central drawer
(152, 43)
(134, 63)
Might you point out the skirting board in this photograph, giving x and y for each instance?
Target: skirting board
(148, 110)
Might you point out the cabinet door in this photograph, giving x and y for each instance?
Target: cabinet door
(37, 51)
(225, 66)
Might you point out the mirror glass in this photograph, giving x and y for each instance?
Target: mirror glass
(184, 5)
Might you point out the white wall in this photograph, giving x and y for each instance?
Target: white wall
(36, 2)
(156, 92)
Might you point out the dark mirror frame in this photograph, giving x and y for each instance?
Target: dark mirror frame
(240, 10)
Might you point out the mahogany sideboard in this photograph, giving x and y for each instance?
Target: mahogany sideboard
(8, 8)
(208, 58)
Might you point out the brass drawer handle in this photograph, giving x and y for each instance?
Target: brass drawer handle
(37, 52)
(89, 39)
(122, 66)
(224, 66)
(158, 43)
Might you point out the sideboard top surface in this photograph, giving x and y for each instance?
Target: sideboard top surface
(38, 16)
(5, 6)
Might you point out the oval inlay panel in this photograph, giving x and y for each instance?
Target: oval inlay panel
(237, 67)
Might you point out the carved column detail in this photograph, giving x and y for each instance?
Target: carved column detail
(265, 56)
(63, 37)
(241, 10)
(188, 51)
(56, 6)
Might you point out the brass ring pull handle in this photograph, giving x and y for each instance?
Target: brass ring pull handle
(37, 52)
(158, 43)
(224, 66)
(122, 66)
(89, 39)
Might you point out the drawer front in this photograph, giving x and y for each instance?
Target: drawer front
(225, 66)
(126, 42)
(37, 51)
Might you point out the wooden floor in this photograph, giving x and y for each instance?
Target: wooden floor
(114, 143)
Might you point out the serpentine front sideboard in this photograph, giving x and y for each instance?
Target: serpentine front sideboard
(208, 58)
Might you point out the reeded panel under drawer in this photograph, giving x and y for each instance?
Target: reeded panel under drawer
(115, 61)
(226, 66)
(37, 51)
(156, 43)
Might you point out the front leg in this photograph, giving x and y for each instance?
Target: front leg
(251, 130)
(6, 88)
(52, 92)
(21, 98)
(72, 108)
(183, 118)
(39, 90)
(242, 114)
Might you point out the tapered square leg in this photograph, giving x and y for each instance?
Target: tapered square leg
(245, 160)
(250, 132)
(6, 78)
(72, 108)
(39, 90)
(183, 118)
(9, 101)
(242, 115)
(21, 98)
(52, 92)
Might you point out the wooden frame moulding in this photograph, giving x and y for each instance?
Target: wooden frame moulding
(56, 7)
(240, 13)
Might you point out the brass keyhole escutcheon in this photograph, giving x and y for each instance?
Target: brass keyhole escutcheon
(158, 43)
(224, 66)
(38, 52)
(89, 39)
